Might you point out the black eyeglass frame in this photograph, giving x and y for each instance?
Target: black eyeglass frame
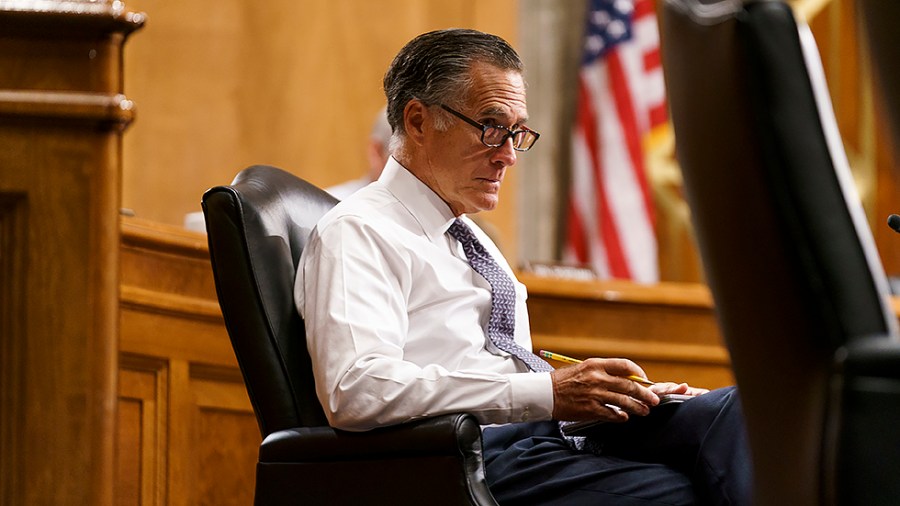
(484, 129)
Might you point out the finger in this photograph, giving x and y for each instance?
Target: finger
(629, 403)
(670, 388)
(617, 370)
(614, 413)
(623, 367)
(638, 392)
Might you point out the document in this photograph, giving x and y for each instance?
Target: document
(667, 404)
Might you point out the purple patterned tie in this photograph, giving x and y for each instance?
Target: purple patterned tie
(502, 323)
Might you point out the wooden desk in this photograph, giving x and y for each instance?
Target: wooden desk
(186, 432)
(668, 328)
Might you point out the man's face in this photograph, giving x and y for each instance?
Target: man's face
(465, 173)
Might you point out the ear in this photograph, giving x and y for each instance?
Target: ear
(377, 154)
(415, 121)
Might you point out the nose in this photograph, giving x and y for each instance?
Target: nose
(504, 153)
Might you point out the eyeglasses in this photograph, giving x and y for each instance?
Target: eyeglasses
(494, 136)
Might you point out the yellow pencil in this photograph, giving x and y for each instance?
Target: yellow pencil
(570, 360)
(558, 357)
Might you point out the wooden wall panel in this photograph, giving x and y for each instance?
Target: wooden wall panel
(128, 452)
(222, 412)
(12, 324)
(221, 85)
(214, 438)
(186, 431)
(224, 84)
(141, 431)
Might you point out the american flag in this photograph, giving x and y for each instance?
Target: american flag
(621, 97)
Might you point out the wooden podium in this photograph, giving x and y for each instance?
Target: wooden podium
(62, 114)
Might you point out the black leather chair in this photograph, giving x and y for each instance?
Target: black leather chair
(800, 294)
(257, 228)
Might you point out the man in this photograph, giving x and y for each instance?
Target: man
(400, 326)
(377, 153)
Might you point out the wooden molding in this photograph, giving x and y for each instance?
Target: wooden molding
(66, 107)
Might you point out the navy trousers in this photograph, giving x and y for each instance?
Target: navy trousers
(696, 453)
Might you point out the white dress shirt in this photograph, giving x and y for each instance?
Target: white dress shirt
(347, 188)
(396, 318)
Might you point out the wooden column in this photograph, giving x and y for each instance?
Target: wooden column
(62, 115)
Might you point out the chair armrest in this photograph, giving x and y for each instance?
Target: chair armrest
(875, 356)
(868, 459)
(437, 461)
(451, 435)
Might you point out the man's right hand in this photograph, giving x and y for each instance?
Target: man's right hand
(586, 391)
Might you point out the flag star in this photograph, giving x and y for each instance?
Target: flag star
(624, 6)
(594, 44)
(600, 19)
(616, 29)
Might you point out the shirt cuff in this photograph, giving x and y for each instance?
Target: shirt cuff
(532, 394)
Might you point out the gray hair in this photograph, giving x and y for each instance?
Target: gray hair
(434, 68)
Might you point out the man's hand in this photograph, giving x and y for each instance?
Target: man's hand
(586, 391)
(677, 388)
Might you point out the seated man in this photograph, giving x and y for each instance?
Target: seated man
(411, 311)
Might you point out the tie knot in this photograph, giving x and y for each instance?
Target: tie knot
(461, 232)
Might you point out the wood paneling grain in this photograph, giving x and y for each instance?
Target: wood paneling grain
(221, 85)
(183, 405)
(141, 431)
(61, 118)
(222, 412)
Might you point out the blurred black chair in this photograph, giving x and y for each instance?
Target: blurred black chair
(800, 294)
(257, 228)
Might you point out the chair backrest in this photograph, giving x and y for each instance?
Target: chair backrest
(257, 228)
(786, 249)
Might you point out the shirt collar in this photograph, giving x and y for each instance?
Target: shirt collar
(432, 213)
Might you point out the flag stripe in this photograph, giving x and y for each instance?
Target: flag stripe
(585, 204)
(577, 233)
(659, 115)
(608, 232)
(643, 9)
(652, 60)
(627, 119)
(621, 96)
